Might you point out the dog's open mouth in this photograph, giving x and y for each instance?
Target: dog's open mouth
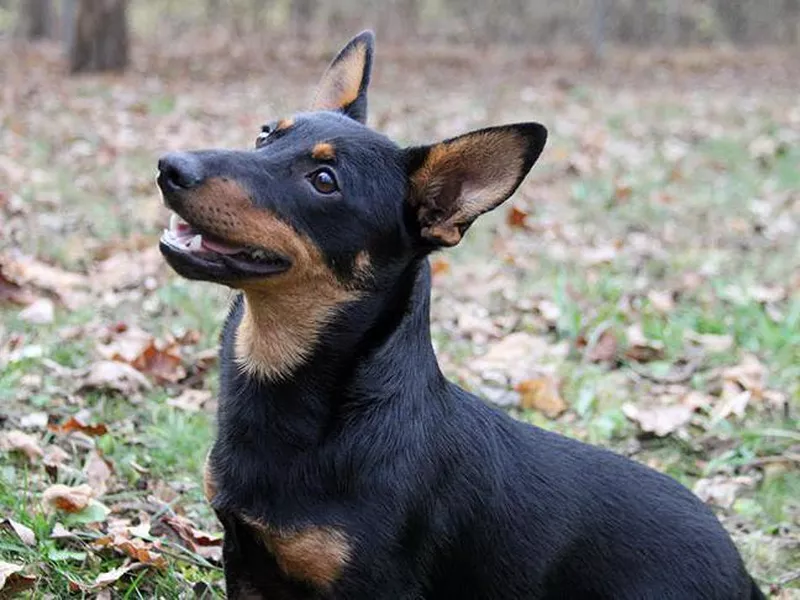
(199, 255)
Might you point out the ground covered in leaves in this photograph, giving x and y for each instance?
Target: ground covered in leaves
(641, 291)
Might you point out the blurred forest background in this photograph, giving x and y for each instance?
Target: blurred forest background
(99, 27)
(640, 291)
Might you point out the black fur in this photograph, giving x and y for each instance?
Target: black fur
(441, 496)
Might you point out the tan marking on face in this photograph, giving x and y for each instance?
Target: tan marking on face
(362, 265)
(316, 555)
(209, 483)
(284, 124)
(481, 168)
(284, 314)
(323, 151)
(341, 82)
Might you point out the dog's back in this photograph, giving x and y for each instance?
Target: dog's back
(545, 516)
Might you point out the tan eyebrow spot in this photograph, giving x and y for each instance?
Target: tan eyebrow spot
(323, 151)
(284, 124)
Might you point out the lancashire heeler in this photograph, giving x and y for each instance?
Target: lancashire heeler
(346, 465)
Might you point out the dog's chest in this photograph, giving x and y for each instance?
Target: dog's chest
(313, 554)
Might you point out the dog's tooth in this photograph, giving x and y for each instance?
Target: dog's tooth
(196, 243)
(174, 220)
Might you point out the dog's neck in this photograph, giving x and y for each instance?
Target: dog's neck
(368, 355)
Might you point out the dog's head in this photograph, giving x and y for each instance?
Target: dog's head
(322, 191)
(325, 210)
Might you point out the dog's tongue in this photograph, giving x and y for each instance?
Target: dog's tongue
(220, 248)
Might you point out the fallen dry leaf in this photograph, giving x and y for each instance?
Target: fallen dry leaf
(26, 271)
(663, 301)
(660, 420)
(622, 192)
(741, 384)
(604, 348)
(116, 376)
(721, 490)
(600, 255)
(644, 352)
(767, 295)
(748, 375)
(710, 342)
(34, 420)
(13, 292)
(20, 441)
(55, 456)
(125, 270)
(440, 266)
(541, 395)
(40, 312)
(140, 349)
(207, 545)
(516, 217)
(191, 400)
(518, 351)
(60, 532)
(98, 472)
(473, 320)
(549, 311)
(640, 348)
(67, 498)
(112, 576)
(135, 548)
(164, 364)
(12, 581)
(124, 343)
(75, 423)
(24, 533)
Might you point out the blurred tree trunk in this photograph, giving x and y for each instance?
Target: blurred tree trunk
(409, 15)
(791, 14)
(673, 21)
(100, 36)
(67, 24)
(731, 14)
(599, 29)
(213, 10)
(301, 14)
(37, 19)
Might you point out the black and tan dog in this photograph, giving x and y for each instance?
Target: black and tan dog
(346, 465)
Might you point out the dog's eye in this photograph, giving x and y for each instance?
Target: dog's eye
(262, 137)
(324, 181)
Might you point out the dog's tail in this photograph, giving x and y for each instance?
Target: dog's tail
(755, 591)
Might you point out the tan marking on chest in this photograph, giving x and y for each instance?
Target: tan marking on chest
(209, 484)
(316, 555)
(280, 327)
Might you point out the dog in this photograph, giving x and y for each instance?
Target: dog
(346, 465)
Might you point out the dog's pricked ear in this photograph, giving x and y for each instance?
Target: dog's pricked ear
(455, 181)
(344, 85)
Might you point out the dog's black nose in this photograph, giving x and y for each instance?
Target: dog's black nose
(180, 170)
